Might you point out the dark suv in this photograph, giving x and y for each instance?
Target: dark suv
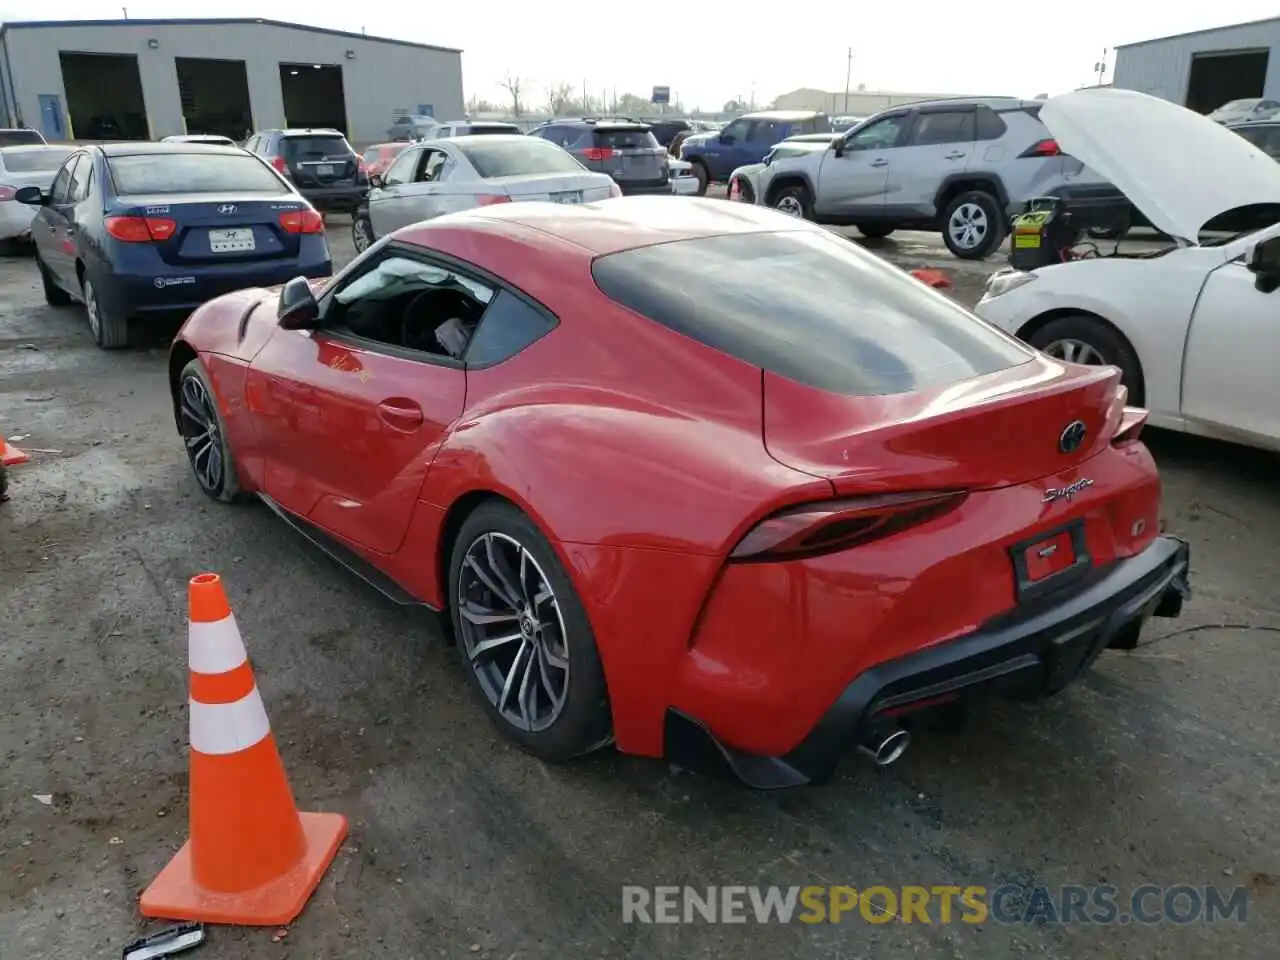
(320, 163)
(625, 149)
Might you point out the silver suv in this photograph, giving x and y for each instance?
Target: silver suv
(961, 166)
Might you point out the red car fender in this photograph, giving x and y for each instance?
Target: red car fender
(642, 592)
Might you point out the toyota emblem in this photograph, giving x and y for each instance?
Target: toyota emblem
(227, 208)
(1072, 436)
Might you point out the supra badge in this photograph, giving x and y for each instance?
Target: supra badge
(1054, 494)
(1072, 436)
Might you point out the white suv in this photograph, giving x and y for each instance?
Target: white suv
(960, 166)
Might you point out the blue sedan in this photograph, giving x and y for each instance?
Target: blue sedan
(136, 230)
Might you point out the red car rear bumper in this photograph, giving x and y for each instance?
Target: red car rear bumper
(1038, 649)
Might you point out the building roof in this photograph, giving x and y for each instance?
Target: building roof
(1197, 33)
(214, 22)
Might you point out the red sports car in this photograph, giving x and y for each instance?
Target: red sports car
(696, 477)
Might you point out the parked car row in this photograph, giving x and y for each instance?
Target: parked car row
(960, 166)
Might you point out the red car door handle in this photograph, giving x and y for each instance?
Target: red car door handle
(400, 413)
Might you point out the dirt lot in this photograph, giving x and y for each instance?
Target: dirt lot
(1161, 767)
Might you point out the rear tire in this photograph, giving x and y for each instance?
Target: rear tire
(704, 177)
(1082, 337)
(874, 231)
(54, 295)
(973, 225)
(567, 711)
(110, 329)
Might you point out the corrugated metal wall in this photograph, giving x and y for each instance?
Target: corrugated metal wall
(1162, 68)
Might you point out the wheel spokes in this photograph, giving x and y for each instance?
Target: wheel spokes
(512, 632)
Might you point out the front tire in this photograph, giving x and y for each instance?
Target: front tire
(205, 437)
(795, 201)
(704, 177)
(361, 232)
(1084, 338)
(524, 638)
(972, 225)
(110, 329)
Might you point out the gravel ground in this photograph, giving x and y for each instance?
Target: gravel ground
(1160, 767)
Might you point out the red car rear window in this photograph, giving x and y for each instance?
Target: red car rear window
(810, 307)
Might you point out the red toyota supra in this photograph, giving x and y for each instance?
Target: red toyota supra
(695, 477)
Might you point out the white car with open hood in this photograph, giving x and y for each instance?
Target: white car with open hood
(1195, 329)
(435, 177)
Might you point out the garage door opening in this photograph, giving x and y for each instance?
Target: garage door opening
(104, 96)
(313, 95)
(1218, 78)
(215, 96)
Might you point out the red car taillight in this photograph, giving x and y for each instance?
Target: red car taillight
(140, 229)
(1044, 148)
(6, 193)
(301, 221)
(491, 199)
(832, 525)
(280, 165)
(599, 153)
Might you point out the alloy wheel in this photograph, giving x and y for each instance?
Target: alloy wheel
(968, 226)
(200, 434)
(1075, 351)
(512, 632)
(361, 234)
(790, 206)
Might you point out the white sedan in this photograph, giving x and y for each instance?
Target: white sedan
(435, 177)
(26, 166)
(1195, 329)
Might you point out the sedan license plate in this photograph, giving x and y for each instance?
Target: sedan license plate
(235, 240)
(325, 170)
(568, 196)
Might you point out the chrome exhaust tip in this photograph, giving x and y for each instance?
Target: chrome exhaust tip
(885, 747)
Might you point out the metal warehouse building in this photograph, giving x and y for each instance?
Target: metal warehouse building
(145, 79)
(1205, 69)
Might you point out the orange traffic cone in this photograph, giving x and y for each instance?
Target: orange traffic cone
(11, 456)
(252, 858)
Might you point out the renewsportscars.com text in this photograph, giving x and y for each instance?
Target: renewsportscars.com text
(938, 904)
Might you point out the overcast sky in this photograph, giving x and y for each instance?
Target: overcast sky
(710, 53)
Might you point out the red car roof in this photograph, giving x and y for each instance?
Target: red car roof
(613, 225)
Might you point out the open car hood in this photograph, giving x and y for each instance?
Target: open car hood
(1179, 168)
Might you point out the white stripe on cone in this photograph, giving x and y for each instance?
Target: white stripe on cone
(221, 728)
(214, 648)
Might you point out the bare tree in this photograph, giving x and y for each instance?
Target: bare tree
(514, 87)
(559, 99)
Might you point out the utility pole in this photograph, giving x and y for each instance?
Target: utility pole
(848, 75)
(1100, 68)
